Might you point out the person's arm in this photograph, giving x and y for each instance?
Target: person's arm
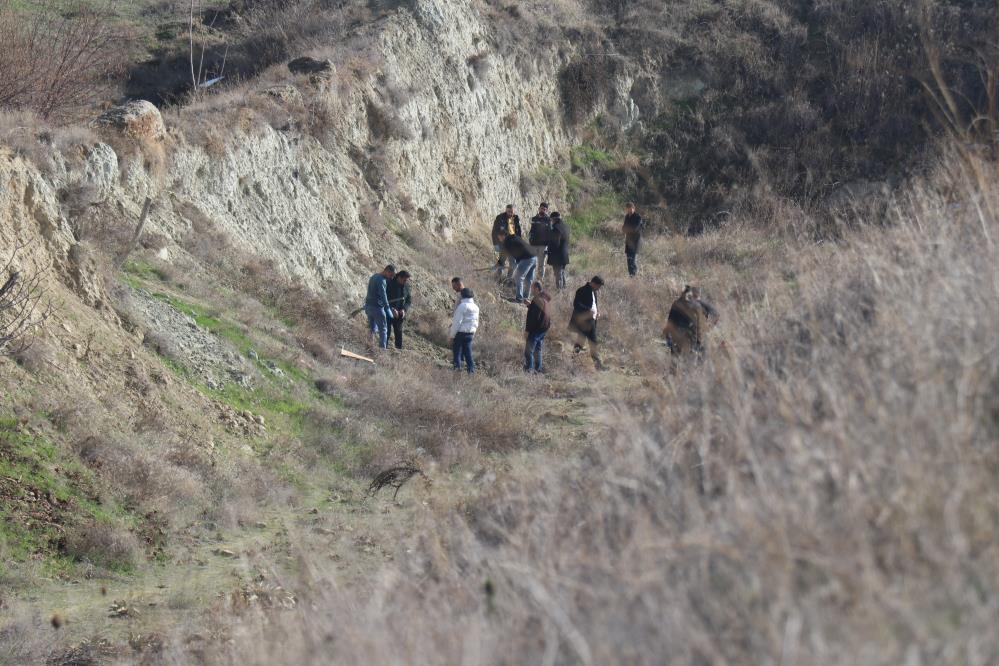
(711, 312)
(456, 321)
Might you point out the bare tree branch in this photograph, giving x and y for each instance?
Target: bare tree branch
(23, 306)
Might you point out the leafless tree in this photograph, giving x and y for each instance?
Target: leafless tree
(23, 305)
(54, 58)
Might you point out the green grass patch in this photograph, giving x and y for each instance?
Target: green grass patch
(36, 477)
(594, 211)
(585, 157)
(143, 270)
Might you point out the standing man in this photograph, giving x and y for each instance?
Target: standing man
(541, 226)
(632, 228)
(558, 249)
(538, 323)
(463, 326)
(521, 254)
(509, 221)
(376, 307)
(399, 298)
(584, 318)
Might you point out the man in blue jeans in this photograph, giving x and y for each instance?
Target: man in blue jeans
(463, 326)
(523, 257)
(538, 323)
(376, 307)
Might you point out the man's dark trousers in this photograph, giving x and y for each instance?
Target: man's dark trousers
(395, 329)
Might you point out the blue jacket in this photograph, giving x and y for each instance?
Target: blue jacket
(377, 295)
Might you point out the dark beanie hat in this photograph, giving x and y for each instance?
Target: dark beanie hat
(467, 293)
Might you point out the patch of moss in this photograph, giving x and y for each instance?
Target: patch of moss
(42, 490)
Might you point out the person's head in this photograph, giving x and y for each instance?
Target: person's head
(457, 284)
(542, 208)
(389, 271)
(629, 208)
(510, 211)
(467, 293)
(690, 293)
(536, 288)
(556, 216)
(596, 282)
(402, 276)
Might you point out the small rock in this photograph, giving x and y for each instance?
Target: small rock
(260, 525)
(253, 355)
(258, 419)
(306, 65)
(224, 552)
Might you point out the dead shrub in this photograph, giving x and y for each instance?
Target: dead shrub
(102, 544)
(55, 59)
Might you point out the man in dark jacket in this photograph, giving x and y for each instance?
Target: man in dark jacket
(519, 253)
(558, 249)
(541, 226)
(688, 322)
(538, 323)
(507, 221)
(399, 298)
(632, 228)
(584, 318)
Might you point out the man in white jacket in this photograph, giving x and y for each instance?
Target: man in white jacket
(463, 327)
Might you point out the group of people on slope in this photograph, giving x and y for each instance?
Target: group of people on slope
(548, 244)
(583, 322)
(389, 299)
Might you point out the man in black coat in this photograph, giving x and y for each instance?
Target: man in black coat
(541, 226)
(399, 298)
(536, 327)
(583, 321)
(558, 249)
(632, 228)
(507, 221)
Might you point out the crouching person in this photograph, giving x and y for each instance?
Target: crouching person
(463, 327)
(538, 323)
(688, 322)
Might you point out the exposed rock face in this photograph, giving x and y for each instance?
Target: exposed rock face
(434, 140)
(138, 119)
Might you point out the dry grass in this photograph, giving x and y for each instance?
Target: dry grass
(820, 490)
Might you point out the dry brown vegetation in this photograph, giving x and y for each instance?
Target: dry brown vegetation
(56, 59)
(821, 489)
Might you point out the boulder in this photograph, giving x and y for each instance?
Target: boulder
(137, 119)
(306, 65)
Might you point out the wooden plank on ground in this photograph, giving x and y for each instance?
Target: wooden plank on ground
(356, 357)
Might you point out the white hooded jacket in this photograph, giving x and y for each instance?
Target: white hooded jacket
(466, 318)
